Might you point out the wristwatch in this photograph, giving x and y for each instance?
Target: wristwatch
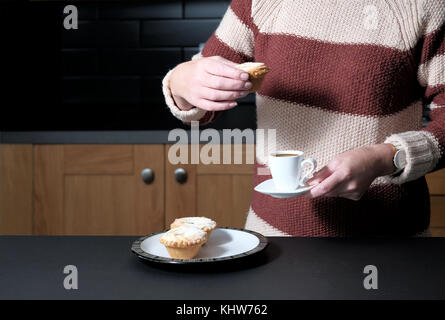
(399, 158)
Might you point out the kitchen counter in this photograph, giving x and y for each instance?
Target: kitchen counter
(96, 137)
(31, 267)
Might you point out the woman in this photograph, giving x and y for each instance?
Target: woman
(347, 85)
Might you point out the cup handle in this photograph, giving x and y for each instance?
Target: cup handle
(313, 163)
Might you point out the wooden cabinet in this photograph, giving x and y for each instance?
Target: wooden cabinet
(436, 185)
(16, 179)
(98, 189)
(222, 192)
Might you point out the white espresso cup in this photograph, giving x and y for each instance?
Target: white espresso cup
(286, 167)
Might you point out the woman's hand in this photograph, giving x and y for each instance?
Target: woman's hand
(211, 84)
(350, 173)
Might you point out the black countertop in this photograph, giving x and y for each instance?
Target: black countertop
(31, 267)
(109, 137)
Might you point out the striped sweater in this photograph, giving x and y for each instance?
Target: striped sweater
(344, 74)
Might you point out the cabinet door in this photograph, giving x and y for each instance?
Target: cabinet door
(97, 189)
(222, 192)
(15, 189)
(436, 184)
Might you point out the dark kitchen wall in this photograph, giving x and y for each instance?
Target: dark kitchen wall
(113, 64)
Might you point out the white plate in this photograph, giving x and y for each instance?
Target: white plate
(223, 244)
(268, 187)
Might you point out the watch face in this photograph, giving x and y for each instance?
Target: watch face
(400, 159)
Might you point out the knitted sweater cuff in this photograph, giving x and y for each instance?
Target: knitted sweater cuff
(194, 114)
(420, 156)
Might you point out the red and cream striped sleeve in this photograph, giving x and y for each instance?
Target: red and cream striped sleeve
(425, 148)
(233, 40)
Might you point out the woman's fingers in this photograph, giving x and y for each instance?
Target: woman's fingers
(218, 68)
(221, 95)
(215, 105)
(223, 83)
(211, 84)
(327, 186)
(320, 175)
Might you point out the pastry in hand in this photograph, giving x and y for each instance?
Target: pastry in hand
(257, 71)
(183, 242)
(205, 224)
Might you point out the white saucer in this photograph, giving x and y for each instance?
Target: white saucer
(268, 187)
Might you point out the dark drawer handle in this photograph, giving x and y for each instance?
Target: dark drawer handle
(148, 176)
(180, 175)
